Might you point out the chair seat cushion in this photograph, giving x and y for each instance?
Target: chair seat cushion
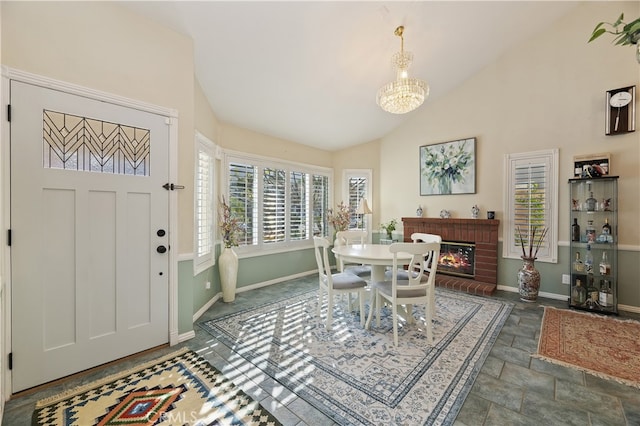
(346, 280)
(358, 270)
(403, 275)
(403, 289)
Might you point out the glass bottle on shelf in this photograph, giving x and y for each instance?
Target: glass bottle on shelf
(606, 295)
(588, 267)
(593, 294)
(605, 265)
(579, 294)
(606, 228)
(575, 230)
(591, 203)
(578, 266)
(590, 232)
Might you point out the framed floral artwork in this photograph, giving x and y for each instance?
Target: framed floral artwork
(448, 168)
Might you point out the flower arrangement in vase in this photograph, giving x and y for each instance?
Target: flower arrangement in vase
(340, 217)
(229, 225)
(389, 227)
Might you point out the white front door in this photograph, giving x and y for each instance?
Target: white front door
(89, 218)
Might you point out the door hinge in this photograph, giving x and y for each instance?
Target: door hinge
(8, 237)
(10, 361)
(172, 187)
(9, 112)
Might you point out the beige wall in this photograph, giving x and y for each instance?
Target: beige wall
(546, 93)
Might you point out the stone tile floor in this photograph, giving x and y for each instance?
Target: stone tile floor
(513, 388)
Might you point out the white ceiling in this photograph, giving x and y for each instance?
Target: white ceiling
(308, 71)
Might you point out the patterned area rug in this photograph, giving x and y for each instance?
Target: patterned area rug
(603, 346)
(358, 377)
(179, 389)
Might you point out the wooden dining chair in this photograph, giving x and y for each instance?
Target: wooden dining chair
(350, 237)
(414, 290)
(333, 284)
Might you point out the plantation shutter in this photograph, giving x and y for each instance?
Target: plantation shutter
(273, 205)
(532, 205)
(357, 191)
(204, 226)
(242, 200)
(320, 205)
(299, 218)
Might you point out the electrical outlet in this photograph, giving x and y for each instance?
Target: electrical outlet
(566, 279)
(207, 285)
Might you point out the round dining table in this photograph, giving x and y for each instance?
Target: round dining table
(376, 255)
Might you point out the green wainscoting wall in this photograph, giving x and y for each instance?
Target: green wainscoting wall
(272, 268)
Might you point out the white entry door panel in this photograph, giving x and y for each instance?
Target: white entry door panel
(88, 213)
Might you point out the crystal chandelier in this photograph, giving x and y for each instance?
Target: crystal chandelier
(404, 94)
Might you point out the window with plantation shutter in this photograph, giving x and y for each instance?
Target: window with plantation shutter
(531, 209)
(358, 188)
(280, 205)
(204, 208)
(242, 199)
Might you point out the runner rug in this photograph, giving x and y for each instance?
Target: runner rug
(181, 388)
(603, 346)
(358, 377)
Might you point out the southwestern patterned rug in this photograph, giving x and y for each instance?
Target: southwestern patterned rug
(181, 388)
(603, 346)
(358, 377)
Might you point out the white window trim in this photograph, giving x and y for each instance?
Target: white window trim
(230, 156)
(368, 175)
(510, 162)
(202, 263)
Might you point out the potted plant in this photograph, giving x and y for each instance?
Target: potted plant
(228, 260)
(625, 33)
(389, 227)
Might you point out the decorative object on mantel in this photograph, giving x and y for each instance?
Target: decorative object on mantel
(445, 214)
(228, 259)
(448, 168)
(528, 276)
(419, 211)
(339, 219)
(404, 94)
(491, 215)
(389, 227)
(475, 211)
(628, 35)
(620, 115)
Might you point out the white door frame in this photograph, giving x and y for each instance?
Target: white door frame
(5, 207)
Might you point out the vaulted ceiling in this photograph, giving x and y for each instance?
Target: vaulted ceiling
(309, 71)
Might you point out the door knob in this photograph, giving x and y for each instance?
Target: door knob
(161, 249)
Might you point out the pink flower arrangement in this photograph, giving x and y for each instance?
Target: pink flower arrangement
(340, 217)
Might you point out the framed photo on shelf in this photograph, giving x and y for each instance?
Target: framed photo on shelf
(582, 163)
(448, 168)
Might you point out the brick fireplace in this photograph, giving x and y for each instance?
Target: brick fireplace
(481, 232)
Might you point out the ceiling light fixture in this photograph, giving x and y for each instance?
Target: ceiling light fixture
(404, 94)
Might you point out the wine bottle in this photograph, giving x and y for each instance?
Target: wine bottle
(606, 294)
(575, 230)
(591, 203)
(578, 294)
(605, 266)
(590, 232)
(578, 266)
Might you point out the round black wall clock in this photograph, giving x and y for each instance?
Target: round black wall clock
(620, 116)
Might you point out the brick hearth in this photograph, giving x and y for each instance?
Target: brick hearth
(482, 232)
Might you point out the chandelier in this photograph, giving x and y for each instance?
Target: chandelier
(404, 94)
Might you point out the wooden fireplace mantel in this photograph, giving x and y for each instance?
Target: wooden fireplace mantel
(482, 232)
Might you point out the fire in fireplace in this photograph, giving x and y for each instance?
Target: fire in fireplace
(457, 258)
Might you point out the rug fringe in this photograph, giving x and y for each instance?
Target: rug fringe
(64, 394)
(586, 370)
